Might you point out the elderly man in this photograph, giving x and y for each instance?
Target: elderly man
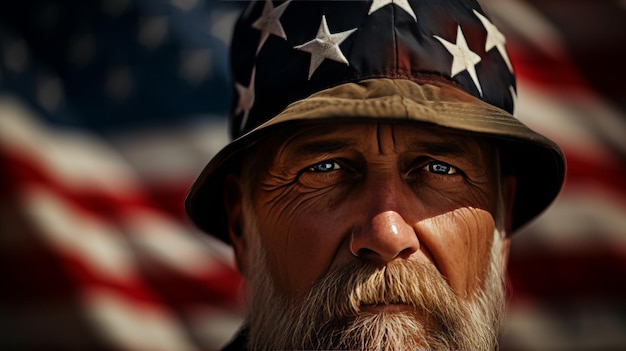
(375, 175)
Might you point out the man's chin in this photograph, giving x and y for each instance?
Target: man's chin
(393, 327)
(401, 311)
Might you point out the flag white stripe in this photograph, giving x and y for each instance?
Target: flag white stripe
(98, 242)
(75, 159)
(136, 327)
(529, 23)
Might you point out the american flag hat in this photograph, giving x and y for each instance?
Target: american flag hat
(441, 62)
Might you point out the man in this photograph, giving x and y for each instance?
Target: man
(375, 176)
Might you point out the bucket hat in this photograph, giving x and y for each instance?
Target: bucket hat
(440, 62)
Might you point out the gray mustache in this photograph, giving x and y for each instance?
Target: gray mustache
(345, 291)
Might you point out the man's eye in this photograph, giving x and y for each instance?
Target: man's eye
(439, 167)
(324, 166)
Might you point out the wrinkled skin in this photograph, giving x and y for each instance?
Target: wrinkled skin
(330, 195)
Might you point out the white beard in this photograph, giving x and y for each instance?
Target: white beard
(330, 317)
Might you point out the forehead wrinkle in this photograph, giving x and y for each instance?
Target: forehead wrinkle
(393, 136)
(378, 137)
(386, 130)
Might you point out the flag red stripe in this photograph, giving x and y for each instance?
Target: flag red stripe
(607, 175)
(572, 273)
(218, 283)
(541, 68)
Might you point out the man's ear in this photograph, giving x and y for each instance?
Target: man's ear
(233, 202)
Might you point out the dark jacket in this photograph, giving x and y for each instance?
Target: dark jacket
(239, 343)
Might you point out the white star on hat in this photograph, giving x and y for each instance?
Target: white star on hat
(494, 39)
(246, 100)
(325, 46)
(514, 96)
(269, 22)
(403, 4)
(463, 59)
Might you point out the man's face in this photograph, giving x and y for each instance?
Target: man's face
(373, 195)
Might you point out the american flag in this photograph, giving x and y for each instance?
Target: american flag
(109, 109)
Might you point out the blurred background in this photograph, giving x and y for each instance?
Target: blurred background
(110, 108)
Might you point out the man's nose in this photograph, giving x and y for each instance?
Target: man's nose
(386, 238)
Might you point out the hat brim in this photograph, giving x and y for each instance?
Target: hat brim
(537, 162)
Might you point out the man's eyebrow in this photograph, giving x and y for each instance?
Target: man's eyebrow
(455, 148)
(323, 147)
(439, 148)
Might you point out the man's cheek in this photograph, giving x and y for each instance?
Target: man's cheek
(440, 201)
(283, 204)
(460, 242)
(301, 233)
